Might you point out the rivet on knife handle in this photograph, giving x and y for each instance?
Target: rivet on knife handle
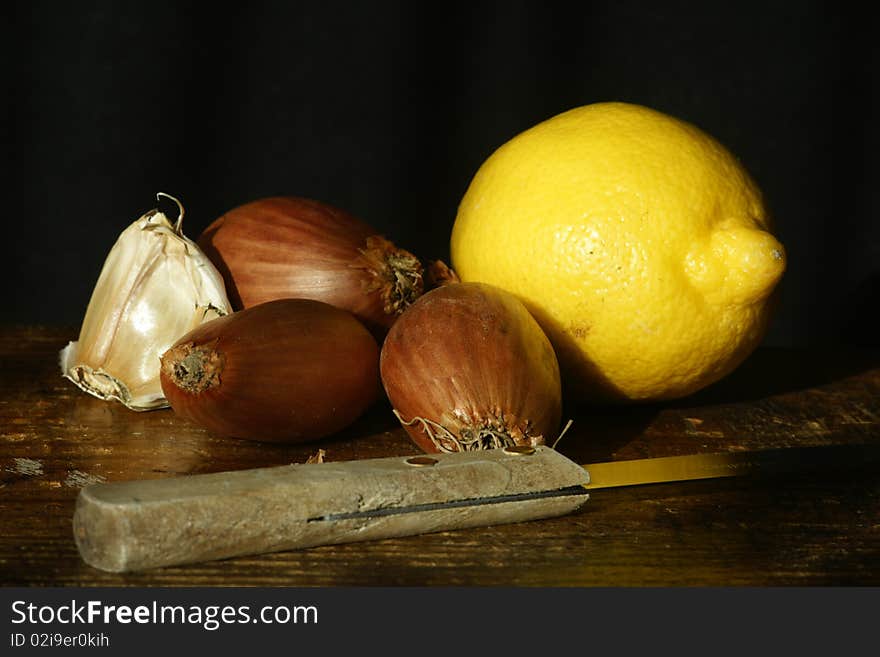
(128, 526)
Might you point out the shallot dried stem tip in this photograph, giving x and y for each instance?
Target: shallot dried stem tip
(439, 273)
(397, 274)
(194, 369)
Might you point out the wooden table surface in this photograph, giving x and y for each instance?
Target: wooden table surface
(817, 529)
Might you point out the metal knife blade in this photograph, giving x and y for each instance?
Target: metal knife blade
(766, 462)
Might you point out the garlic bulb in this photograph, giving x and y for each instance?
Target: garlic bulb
(155, 286)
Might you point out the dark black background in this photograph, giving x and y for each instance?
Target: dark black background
(387, 109)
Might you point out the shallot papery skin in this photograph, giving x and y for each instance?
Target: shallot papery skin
(289, 370)
(292, 247)
(467, 367)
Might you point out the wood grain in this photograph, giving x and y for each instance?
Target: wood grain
(820, 529)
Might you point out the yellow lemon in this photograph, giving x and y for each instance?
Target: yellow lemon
(640, 244)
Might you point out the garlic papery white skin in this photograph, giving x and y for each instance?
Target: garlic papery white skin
(156, 285)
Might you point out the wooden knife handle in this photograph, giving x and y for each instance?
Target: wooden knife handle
(135, 525)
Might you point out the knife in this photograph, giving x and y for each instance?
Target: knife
(137, 525)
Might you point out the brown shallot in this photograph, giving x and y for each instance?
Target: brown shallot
(291, 247)
(289, 370)
(467, 367)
